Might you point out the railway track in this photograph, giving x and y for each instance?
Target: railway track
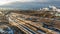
(29, 25)
(47, 21)
(22, 24)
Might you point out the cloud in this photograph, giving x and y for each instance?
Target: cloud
(2, 2)
(26, 0)
(37, 0)
(56, 0)
(41, 0)
(33, 0)
(30, 0)
(9, 1)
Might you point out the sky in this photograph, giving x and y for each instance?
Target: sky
(2, 2)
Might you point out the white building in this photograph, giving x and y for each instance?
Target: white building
(58, 10)
(45, 9)
(57, 14)
(54, 8)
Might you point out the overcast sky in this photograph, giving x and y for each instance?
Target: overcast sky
(2, 2)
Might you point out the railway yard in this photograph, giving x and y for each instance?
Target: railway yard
(29, 22)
